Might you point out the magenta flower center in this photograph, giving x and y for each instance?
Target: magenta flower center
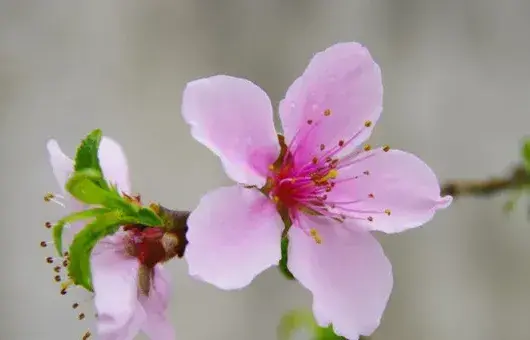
(299, 183)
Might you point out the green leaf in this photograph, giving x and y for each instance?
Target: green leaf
(148, 217)
(58, 228)
(294, 321)
(87, 153)
(84, 242)
(327, 334)
(85, 186)
(526, 154)
(282, 265)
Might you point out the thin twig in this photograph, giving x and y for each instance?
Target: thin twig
(516, 179)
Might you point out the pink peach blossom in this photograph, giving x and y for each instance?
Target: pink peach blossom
(317, 176)
(123, 310)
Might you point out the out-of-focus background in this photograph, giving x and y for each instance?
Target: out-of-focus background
(457, 80)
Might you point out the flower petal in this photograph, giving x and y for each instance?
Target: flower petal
(156, 325)
(234, 234)
(233, 117)
(397, 181)
(114, 164)
(114, 277)
(348, 274)
(343, 79)
(63, 167)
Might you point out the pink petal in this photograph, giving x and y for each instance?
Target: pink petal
(63, 167)
(114, 277)
(343, 79)
(399, 182)
(156, 325)
(114, 164)
(234, 234)
(233, 117)
(348, 274)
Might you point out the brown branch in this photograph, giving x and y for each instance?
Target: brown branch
(518, 178)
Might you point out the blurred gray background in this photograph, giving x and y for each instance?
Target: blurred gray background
(457, 80)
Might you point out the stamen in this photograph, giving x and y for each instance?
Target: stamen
(67, 284)
(50, 259)
(81, 316)
(50, 197)
(368, 123)
(57, 278)
(48, 225)
(327, 112)
(388, 212)
(75, 305)
(57, 269)
(386, 148)
(44, 244)
(367, 147)
(315, 235)
(370, 219)
(87, 335)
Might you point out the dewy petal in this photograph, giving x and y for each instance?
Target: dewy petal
(114, 164)
(234, 234)
(233, 117)
(343, 79)
(399, 183)
(156, 325)
(114, 277)
(348, 274)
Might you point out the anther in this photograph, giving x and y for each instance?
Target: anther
(63, 291)
(386, 148)
(367, 147)
(314, 234)
(322, 147)
(49, 259)
(81, 316)
(341, 143)
(276, 199)
(44, 244)
(315, 160)
(57, 278)
(388, 212)
(66, 284)
(271, 167)
(366, 172)
(309, 121)
(327, 112)
(368, 123)
(48, 197)
(57, 269)
(370, 195)
(370, 219)
(65, 254)
(86, 336)
(65, 263)
(75, 305)
(48, 225)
